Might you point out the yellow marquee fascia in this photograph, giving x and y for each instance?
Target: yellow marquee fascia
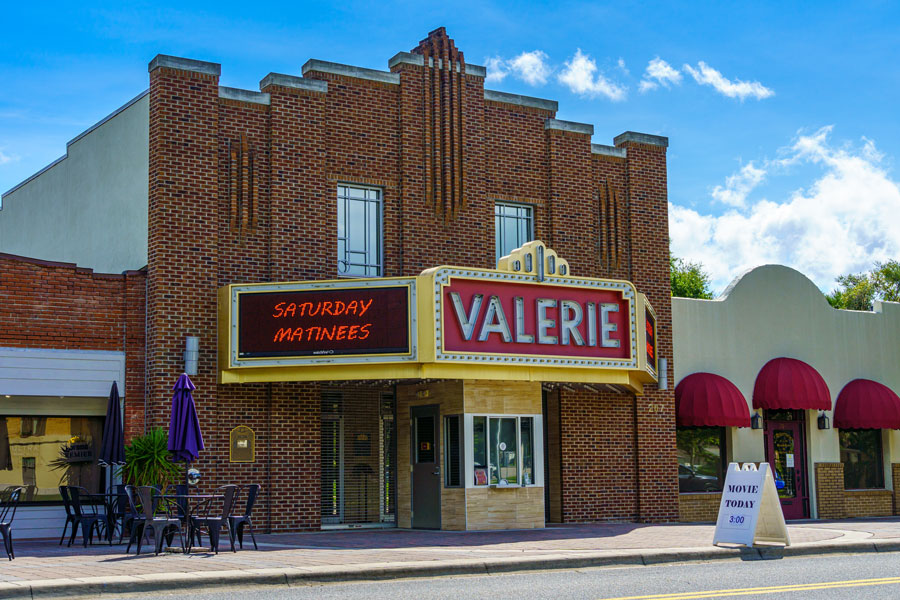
(425, 365)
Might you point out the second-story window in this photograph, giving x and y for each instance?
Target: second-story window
(513, 226)
(359, 231)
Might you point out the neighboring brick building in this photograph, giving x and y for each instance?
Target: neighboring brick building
(348, 171)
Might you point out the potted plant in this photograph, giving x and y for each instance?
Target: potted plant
(148, 460)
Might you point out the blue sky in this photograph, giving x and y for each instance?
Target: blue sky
(782, 117)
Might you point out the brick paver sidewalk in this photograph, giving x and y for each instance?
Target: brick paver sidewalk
(43, 565)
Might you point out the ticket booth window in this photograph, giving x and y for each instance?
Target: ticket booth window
(503, 450)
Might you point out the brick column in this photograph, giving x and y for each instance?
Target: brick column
(830, 490)
(574, 215)
(135, 351)
(655, 409)
(183, 238)
(895, 475)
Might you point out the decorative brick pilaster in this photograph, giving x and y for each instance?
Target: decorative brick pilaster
(649, 265)
(895, 476)
(183, 248)
(830, 490)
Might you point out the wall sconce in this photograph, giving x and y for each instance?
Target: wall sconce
(663, 374)
(756, 421)
(191, 354)
(824, 423)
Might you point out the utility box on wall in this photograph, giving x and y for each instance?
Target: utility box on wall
(242, 445)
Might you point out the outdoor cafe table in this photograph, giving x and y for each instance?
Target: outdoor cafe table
(189, 508)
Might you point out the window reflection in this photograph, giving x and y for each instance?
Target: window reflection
(701, 458)
(42, 453)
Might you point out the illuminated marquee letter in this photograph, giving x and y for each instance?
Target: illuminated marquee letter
(521, 336)
(544, 323)
(466, 323)
(568, 326)
(501, 326)
(606, 327)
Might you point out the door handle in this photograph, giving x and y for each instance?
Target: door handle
(437, 472)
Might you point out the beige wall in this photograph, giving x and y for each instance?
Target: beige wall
(470, 507)
(774, 311)
(90, 206)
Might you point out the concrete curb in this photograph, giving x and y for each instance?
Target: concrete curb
(300, 576)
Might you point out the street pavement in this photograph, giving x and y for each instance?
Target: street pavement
(42, 568)
(829, 577)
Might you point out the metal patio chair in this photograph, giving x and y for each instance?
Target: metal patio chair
(9, 500)
(88, 515)
(160, 515)
(212, 521)
(70, 514)
(238, 522)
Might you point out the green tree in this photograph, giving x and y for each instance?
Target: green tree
(859, 291)
(688, 279)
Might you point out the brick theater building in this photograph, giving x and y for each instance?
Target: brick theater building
(221, 209)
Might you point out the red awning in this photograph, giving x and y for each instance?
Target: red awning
(704, 399)
(788, 383)
(867, 404)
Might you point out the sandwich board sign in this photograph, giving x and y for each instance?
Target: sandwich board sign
(750, 511)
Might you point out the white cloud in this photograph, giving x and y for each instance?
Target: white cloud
(738, 186)
(706, 75)
(659, 72)
(842, 223)
(7, 158)
(582, 77)
(622, 67)
(531, 67)
(496, 69)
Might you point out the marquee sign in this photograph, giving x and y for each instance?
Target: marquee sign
(650, 339)
(486, 316)
(522, 313)
(530, 319)
(334, 321)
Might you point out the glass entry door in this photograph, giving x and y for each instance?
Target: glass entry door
(786, 454)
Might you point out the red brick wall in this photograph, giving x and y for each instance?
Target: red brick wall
(618, 461)
(61, 306)
(599, 479)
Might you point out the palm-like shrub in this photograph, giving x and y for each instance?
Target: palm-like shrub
(148, 460)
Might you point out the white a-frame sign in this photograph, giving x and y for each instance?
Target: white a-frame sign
(750, 511)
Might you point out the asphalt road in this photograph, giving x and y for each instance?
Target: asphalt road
(869, 576)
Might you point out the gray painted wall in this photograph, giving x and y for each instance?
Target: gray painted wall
(774, 311)
(90, 206)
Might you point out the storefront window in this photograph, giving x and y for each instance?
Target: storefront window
(701, 459)
(861, 455)
(513, 226)
(503, 450)
(359, 231)
(43, 453)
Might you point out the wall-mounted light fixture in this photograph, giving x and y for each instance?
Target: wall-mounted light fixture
(663, 374)
(756, 421)
(824, 423)
(191, 354)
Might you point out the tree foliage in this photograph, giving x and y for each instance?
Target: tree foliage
(860, 290)
(688, 279)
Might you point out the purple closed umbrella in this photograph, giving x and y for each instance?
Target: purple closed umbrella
(185, 439)
(112, 445)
